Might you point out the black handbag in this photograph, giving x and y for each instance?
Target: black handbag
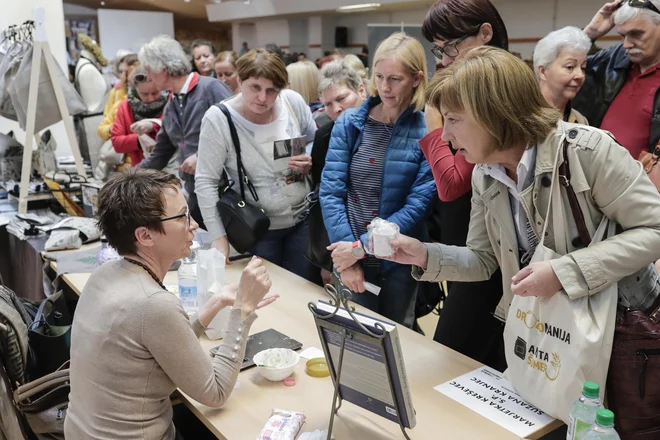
(244, 223)
(49, 336)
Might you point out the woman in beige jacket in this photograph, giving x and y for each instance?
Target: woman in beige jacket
(497, 118)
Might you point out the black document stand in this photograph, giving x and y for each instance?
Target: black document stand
(338, 299)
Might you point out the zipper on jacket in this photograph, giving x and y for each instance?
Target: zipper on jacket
(645, 352)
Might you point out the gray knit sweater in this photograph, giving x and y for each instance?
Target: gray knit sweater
(283, 205)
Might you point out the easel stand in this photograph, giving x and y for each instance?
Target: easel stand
(339, 299)
(41, 47)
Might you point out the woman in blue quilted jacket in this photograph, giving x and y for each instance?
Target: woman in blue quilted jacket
(375, 168)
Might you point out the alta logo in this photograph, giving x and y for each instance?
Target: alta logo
(538, 360)
(531, 321)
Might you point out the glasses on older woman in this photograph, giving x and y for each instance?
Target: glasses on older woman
(451, 49)
(643, 4)
(175, 217)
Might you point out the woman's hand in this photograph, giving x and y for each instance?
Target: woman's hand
(353, 278)
(222, 245)
(226, 297)
(408, 250)
(537, 279)
(301, 164)
(189, 165)
(253, 287)
(342, 255)
(142, 127)
(603, 21)
(433, 119)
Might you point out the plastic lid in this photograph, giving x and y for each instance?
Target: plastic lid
(317, 367)
(591, 389)
(605, 417)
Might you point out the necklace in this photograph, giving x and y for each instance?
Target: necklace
(149, 271)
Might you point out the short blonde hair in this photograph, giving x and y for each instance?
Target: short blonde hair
(261, 63)
(410, 53)
(228, 56)
(304, 79)
(356, 64)
(500, 92)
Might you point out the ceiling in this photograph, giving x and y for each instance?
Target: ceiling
(195, 9)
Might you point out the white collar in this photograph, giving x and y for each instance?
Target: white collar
(525, 170)
(186, 85)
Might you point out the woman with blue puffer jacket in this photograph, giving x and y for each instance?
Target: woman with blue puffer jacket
(375, 168)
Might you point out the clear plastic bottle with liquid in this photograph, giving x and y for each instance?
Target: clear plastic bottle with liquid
(603, 429)
(187, 274)
(583, 411)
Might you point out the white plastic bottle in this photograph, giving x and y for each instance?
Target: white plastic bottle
(603, 429)
(583, 411)
(188, 280)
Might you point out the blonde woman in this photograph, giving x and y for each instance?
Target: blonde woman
(357, 65)
(225, 69)
(117, 94)
(375, 168)
(304, 78)
(560, 62)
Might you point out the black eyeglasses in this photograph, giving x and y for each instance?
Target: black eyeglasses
(175, 217)
(451, 49)
(140, 78)
(643, 4)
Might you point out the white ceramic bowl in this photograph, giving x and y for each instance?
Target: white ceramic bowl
(289, 360)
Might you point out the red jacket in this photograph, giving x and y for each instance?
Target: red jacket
(452, 173)
(123, 139)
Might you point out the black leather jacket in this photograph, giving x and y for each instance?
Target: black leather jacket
(606, 73)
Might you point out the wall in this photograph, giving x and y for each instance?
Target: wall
(527, 21)
(16, 12)
(120, 29)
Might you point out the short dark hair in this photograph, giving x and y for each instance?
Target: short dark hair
(198, 43)
(131, 200)
(452, 19)
(262, 63)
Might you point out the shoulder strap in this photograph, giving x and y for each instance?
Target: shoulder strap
(578, 216)
(293, 114)
(242, 174)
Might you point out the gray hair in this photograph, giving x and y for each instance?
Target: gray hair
(626, 13)
(339, 72)
(547, 50)
(164, 53)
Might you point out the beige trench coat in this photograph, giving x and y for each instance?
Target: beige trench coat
(607, 181)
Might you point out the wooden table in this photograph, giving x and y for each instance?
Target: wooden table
(427, 363)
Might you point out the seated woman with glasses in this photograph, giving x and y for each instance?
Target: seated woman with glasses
(467, 324)
(138, 117)
(270, 121)
(132, 343)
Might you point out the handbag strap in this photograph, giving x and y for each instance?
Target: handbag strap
(578, 216)
(242, 174)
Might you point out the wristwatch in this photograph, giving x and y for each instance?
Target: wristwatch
(358, 251)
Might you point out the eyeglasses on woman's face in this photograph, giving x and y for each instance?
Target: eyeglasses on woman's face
(451, 49)
(175, 217)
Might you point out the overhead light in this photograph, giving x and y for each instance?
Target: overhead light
(187, 1)
(102, 3)
(360, 7)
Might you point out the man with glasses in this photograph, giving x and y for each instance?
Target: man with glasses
(621, 92)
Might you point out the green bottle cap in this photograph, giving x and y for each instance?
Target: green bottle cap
(605, 417)
(591, 389)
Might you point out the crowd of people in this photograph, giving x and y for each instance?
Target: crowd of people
(471, 147)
